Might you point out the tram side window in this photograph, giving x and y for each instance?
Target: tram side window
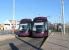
(20, 28)
(46, 27)
(30, 26)
(34, 28)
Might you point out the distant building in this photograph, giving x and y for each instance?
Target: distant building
(14, 24)
(1, 27)
(8, 25)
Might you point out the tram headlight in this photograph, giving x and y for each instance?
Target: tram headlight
(42, 32)
(34, 29)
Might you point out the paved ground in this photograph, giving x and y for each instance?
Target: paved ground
(57, 41)
(6, 37)
(7, 42)
(5, 32)
(21, 44)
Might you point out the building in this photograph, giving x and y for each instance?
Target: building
(1, 27)
(9, 25)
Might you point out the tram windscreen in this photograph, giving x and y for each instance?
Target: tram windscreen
(23, 27)
(38, 27)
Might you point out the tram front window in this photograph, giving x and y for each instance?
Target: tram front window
(38, 27)
(23, 27)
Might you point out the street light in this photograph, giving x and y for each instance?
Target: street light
(13, 9)
(13, 21)
(62, 16)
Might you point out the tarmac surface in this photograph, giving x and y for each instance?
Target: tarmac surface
(56, 41)
(21, 44)
(8, 41)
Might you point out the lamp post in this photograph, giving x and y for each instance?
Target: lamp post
(13, 9)
(62, 16)
(13, 22)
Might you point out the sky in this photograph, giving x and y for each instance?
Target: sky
(33, 8)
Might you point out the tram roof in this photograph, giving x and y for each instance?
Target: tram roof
(25, 21)
(40, 19)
